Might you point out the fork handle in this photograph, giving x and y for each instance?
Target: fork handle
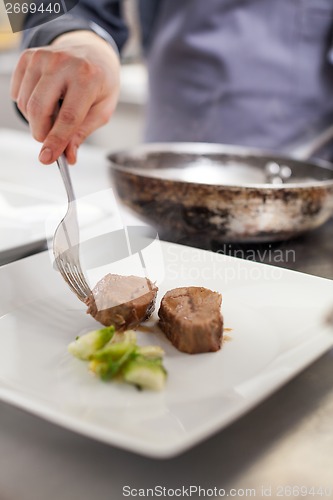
(64, 171)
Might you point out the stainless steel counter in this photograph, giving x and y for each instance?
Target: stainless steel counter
(287, 441)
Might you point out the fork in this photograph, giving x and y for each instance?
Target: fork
(66, 240)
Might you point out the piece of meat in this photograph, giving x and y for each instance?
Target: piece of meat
(191, 319)
(122, 301)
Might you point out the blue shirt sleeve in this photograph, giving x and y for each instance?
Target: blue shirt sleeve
(105, 13)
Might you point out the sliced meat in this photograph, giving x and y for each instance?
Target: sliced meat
(122, 301)
(191, 319)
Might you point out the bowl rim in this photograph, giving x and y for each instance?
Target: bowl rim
(204, 148)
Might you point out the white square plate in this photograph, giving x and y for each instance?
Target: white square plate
(277, 327)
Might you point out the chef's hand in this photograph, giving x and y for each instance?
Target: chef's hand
(82, 70)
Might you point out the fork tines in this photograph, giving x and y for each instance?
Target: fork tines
(74, 277)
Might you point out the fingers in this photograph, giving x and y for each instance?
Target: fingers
(18, 75)
(35, 91)
(98, 115)
(23, 82)
(43, 105)
(68, 122)
(81, 70)
(39, 81)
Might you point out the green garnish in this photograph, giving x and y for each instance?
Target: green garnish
(86, 345)
(116, 355)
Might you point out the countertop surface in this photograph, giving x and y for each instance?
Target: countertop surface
(286, 441)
